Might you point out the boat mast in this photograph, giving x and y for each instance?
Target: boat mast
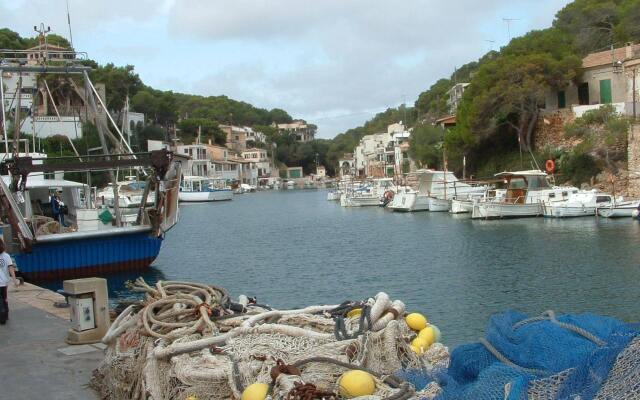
(16, 120)
(103, 142)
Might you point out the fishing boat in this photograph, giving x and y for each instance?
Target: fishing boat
(525, 193)
(580, 203)
(434, 192)
(204, 189)
(81, 238)
(618, 209)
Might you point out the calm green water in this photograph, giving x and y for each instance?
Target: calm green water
(294, 248)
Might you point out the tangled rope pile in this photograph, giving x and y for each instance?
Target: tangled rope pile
(190, 341)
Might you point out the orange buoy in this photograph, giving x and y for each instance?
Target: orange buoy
(550, 166)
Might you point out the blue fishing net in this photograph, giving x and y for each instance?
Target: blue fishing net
(548, 357)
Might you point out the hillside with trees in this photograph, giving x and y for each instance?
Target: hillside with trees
(496, 121)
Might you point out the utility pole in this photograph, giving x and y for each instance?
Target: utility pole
(509, 21)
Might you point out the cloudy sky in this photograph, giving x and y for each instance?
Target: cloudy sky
(333, 62)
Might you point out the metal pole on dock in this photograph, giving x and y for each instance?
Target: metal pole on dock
(4, 120)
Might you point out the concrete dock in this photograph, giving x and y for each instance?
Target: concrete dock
(35, 360)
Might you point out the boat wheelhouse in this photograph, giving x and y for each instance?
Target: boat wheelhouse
(526, 191)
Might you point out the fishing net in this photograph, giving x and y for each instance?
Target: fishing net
(189, 341)
(566, 357)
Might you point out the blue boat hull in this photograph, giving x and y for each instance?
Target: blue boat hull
(83, 257)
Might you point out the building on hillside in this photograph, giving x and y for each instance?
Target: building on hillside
(133, 121)
(254, 136)
(48, 52)
(236, 137)
(609, 77)
(247, 170)
(294, 173)
(384, 154)
(321, 172)
(455, 95)
(39, 116)
(303, 132)
(446, 122)
(261, 160)
(222, 166)
(346, 166)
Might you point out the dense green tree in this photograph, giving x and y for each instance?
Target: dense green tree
(120, 83)
(209, 130)
(426, 145)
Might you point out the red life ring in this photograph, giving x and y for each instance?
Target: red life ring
(550, 166)
(389, 195)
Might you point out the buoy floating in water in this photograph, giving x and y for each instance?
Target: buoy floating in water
(356, 383)
(255, 391)
(416, 321)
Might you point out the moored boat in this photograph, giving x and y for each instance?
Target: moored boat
(55, 228)
(624, 209)
(579, 204)
(203, 189)
(526, 192)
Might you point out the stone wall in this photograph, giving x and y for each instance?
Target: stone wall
(550, 130)
(633, 162)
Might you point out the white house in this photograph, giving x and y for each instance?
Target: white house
(260, 159)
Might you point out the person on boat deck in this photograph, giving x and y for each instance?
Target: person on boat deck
(7, 274)
(56, 208)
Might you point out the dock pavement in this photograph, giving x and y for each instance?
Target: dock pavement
(35, 361)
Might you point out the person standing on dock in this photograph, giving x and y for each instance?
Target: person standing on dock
(7, 273)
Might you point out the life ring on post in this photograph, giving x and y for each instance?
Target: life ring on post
(550, 166)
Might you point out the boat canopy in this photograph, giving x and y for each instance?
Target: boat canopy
(38, 182)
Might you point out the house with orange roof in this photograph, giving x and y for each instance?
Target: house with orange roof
(608, 77)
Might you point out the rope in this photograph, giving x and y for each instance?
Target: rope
(506, 361)
(550, 315)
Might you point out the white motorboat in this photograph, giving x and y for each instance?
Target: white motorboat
(130, 193)
(465, 206)
(203, 189)
(334, 195)
(438, 205)
(579, 204)
(526, 192)
(439, 185)
(623, 209)
(368, 195)
(289, 185)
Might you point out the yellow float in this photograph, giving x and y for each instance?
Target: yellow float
(420, 343)
(354, 313)
(428, 334)
(356, 383)
(256, 391)
(416, 321)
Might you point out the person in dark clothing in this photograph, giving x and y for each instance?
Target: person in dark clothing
(56, 208)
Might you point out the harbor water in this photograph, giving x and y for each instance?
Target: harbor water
(294, 248)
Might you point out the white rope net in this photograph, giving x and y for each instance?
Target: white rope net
(187, 341)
